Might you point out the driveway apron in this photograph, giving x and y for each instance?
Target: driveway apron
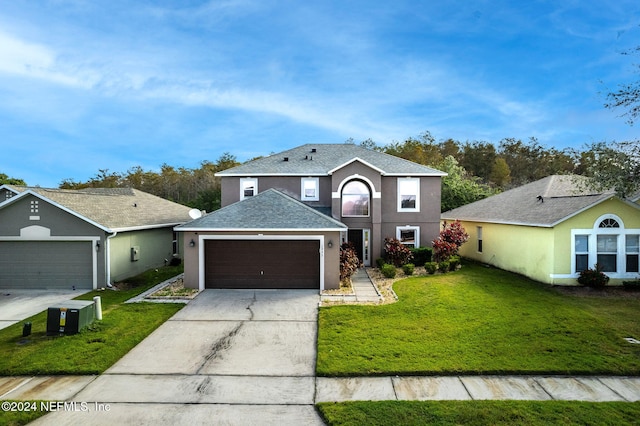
(228, 357)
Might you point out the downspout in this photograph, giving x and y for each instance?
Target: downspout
(108, 260)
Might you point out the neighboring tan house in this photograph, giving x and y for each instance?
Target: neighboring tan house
(346, 193)
(552, 229)
(83, 239)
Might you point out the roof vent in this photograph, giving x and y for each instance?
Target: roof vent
(286, 158)
(313, 150)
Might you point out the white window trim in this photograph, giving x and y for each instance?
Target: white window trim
(255, 186)
(342, 202)
(316, 181)
(416, 230)
(592, 235)
(399, 195)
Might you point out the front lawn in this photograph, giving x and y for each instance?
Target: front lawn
(480, 320)
(96, 348)
(480, 413)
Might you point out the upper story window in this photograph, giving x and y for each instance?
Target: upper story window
(309, 190)
(248, 187)
(34, 207)
(409, 195)
(355, 199)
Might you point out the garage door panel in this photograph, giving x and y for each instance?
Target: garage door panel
(262, 264)
(46, 264)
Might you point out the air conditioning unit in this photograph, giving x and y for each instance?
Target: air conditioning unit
(70, 317)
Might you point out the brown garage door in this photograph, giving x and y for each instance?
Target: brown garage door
(262, 264)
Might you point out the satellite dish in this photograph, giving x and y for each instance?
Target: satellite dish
(195, 214)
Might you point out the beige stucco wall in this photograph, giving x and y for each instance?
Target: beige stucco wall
(544, 254)
(521, 249)
(629, 215)
(156, 247)
(331, 255)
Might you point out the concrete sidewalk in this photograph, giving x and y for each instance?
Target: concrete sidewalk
(330, 389)
(533, 388)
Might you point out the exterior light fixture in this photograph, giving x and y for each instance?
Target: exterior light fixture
(97, 245)
(192, 243)
(330, 243)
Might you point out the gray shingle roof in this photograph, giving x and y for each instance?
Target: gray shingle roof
(270, 209)
(303, 161)
(116, 208)
(563, 196)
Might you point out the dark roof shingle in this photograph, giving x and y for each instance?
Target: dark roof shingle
(322, 159)
(270, 209)
(561, 197)
(116, 208)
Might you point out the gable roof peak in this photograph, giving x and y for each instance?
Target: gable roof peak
(321, 159)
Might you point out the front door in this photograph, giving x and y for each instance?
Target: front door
(360, 238)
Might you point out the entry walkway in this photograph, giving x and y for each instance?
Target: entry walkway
(363, 290)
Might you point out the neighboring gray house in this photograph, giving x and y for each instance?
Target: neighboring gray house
(347, 193)
(85, 239)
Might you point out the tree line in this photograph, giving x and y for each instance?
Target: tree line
(475, 169)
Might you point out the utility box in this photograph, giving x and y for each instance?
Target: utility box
(70, 317)
(135, 253)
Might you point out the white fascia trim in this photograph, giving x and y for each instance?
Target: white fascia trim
(379, 170)
(499, 222)
(262, 229)
(305, 174)
(441, 174)
(143, 227)
(202, 238)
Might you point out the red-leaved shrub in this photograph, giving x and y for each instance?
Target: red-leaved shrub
(449, 241)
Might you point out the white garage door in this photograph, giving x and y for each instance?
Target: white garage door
(46, 264)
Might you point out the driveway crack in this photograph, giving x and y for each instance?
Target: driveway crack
(219, 346)
(253, 301)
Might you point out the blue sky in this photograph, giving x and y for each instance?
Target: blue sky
(90, 85)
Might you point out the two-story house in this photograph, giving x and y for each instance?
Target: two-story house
(296, 207)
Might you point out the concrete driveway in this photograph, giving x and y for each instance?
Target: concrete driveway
(18, 304)
(228, 357)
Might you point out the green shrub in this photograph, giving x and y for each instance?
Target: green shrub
(408, 268)
(421, 255)
(389, 271)
(593, 277)
(380, 262)
(444, 266)
(631, 285)
(454, 262)
(431, 267)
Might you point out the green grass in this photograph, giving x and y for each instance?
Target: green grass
(541, 413)
(480, 321)
(21, 412)
(97, 347)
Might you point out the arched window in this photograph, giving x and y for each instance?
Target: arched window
(609, 223)
(355, 199)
